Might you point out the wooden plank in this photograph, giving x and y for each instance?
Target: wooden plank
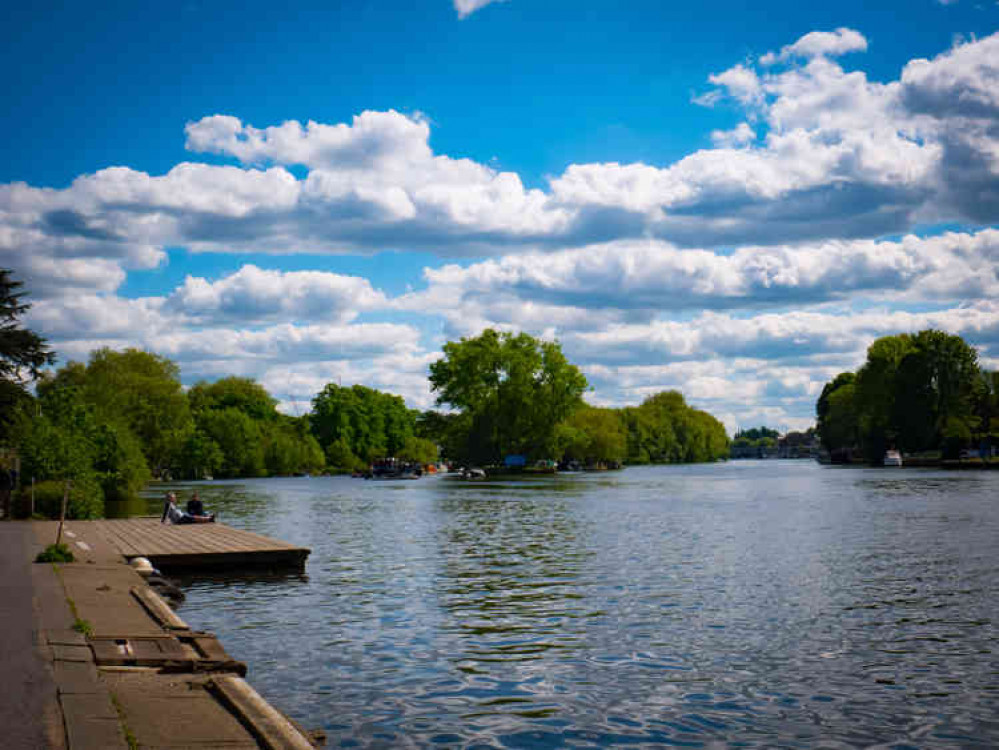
(194, 545)
(267, 724)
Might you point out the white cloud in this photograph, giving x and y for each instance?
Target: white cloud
(466, 8)
(820, 44)
(253, 294)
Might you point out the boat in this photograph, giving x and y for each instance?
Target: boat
(892, 458)
(393, 468)
(473, 473)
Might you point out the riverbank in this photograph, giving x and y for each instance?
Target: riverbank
(111, 665)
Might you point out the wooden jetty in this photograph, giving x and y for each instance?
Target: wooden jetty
(206, 545)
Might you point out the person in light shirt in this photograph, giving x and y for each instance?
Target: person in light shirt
(173, 514)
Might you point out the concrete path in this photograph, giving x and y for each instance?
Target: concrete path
(29, 708)
(63, 690)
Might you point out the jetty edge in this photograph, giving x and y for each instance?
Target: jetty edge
(123, 669)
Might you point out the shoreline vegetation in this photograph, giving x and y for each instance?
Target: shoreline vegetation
(102, 430)
(512, 403)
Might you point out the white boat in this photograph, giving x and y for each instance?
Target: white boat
(892, 458)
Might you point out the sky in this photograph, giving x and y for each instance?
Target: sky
(725, 199)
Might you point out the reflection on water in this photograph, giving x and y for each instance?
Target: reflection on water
(750, 604)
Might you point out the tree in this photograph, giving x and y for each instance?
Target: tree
(22, 355)
(594, 436)
(372, 424)
(142, 391)
(514, 391)
(243, 394)
(21, 351)
(240, 440)
(418, 450)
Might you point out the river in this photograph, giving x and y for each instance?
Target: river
(743, 604)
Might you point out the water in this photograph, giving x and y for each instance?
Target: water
(748, 604)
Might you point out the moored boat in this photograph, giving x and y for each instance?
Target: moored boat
(892, 458)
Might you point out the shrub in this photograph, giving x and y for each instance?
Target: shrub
(55, 553)
(86, 500)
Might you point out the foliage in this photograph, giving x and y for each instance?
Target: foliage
(55, 553)
(916, 392)
(664, 429)
(418, 450)
(290, 450)
(200, 456)
(242, 394)
(371, 423)
(594, 436)
(514, 391)
(132, 389)
(20, 349)
(239, 438)
(341, 459)
(86, 500)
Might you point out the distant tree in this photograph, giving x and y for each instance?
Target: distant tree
(373, 424)
(512, 391)
(233, 392)
(239, 438)
(921, 391)
(594, 436)
(418, 450)
(138, 389)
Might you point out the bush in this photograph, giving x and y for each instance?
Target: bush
(86, 500)
(55, 553)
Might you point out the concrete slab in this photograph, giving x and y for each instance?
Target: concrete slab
(92, 723)
(71, 653)
(175, 711)
(76, 678)
(102, 596)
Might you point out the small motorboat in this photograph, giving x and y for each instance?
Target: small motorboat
(892, 458)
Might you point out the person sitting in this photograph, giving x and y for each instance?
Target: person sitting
(173, 514)
(194, 506)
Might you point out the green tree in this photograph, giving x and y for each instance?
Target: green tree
(22, 352)
(418, 450)
(239, 438)
(373, 424)
(595, 436)
(514, 390)
(141, 391)
(22, 355)
(838, 438)
(233, 392)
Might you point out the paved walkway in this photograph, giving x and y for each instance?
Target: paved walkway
(29, 708)
(64, 691)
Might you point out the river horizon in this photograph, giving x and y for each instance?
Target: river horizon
(746, 603)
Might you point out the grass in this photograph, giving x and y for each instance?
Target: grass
(133, 743)
(83, 626)
(55, 553)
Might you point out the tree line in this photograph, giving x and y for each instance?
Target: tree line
(123, 417)
(914, 393)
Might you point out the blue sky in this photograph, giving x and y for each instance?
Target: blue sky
(639, 179)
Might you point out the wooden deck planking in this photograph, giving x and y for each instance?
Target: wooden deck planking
(199, 545)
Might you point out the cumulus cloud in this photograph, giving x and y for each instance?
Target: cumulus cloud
(759, 259)
(253, 294)
(820, 153)
(820, 44)
(655, 276)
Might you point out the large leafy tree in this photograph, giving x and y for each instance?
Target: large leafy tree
(513, 389)
(370, 423)
(915, 391)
